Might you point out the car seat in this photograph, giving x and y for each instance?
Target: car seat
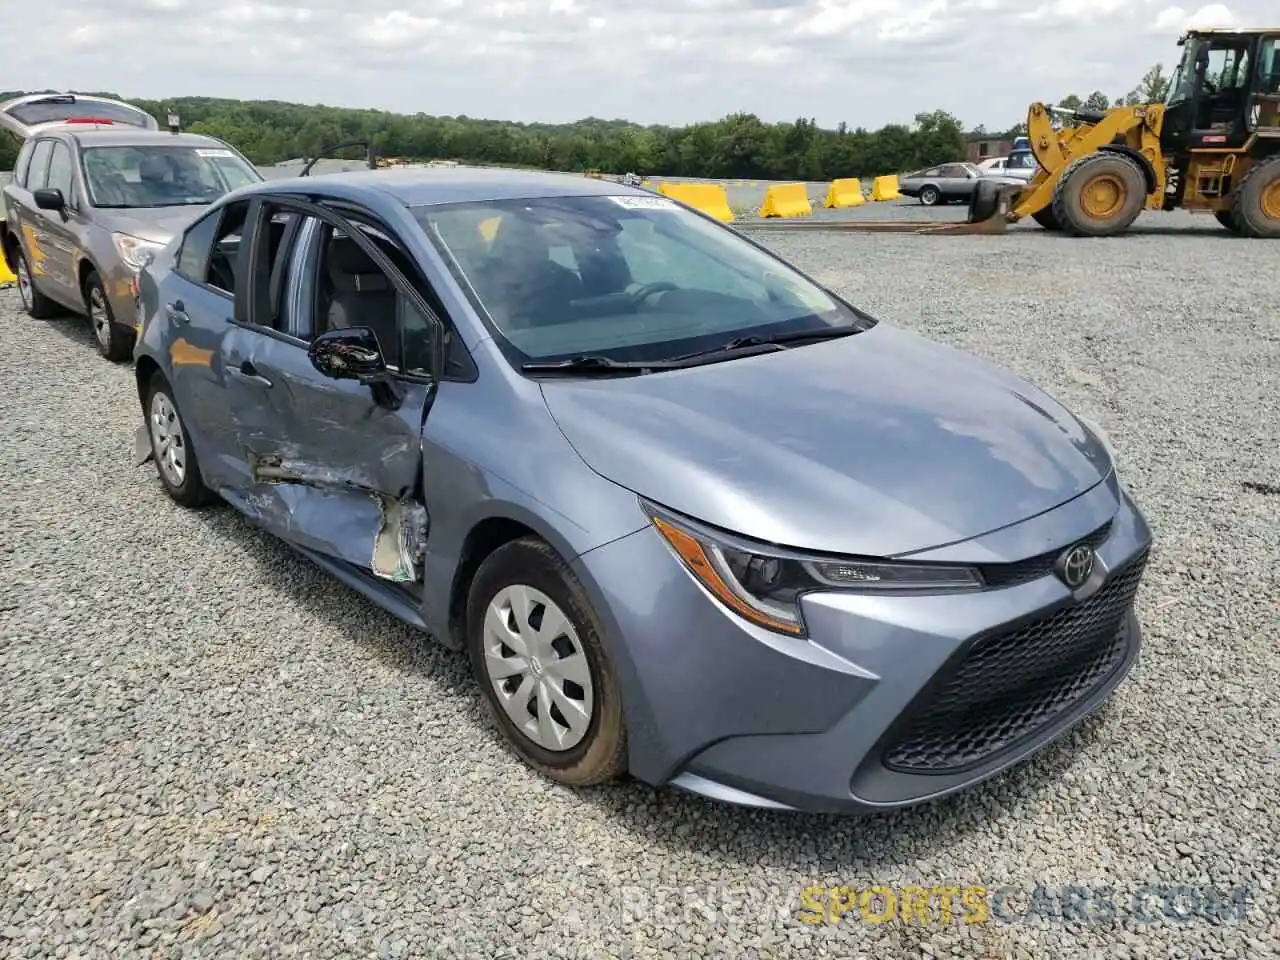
(363, 296)
(522, 285)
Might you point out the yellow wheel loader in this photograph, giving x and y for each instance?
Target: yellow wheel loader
(1213, 146)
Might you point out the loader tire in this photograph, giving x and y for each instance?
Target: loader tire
(1228, 219)
(1256, 206)
(1099, 195)
(1046, 218)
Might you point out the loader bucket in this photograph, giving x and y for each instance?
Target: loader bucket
(989, 209)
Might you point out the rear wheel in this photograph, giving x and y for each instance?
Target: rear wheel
(34, 302)
(1228, 219)
(1257, 201)
(930, 196)
(176, 462)
(1100, 195)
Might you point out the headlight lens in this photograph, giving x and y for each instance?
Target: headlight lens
(765, 586)
(135, 251)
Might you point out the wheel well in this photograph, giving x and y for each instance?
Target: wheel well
(485, 537)
(1148, 171)
(86, 268)
(144, 369)
(10, 245)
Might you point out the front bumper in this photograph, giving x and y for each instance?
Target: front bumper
(892, 700)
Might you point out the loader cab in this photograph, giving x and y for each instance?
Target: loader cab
(1226, 89)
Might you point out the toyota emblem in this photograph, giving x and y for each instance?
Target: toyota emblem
(1076, 565)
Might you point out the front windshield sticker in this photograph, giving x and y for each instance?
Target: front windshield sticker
(214, 153)
(645, 203)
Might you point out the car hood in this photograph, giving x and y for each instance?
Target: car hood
(883, 443)
(158, 224)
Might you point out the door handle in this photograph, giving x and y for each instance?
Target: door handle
(177, 312)
(249, 373)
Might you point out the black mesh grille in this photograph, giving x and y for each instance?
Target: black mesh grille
(1009, 685)
(1033, 568)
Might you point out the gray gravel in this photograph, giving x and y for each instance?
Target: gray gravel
(209, 748)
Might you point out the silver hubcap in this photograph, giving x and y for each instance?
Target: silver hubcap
(537, 667)
(167, 441)
(24, 283)
(98, 317)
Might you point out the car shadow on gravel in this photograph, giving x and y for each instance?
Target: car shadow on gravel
(666, 816)
(296, 579)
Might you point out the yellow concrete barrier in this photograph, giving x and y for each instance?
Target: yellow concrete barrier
(846, 192)
(786, 200)
(710, 198)
(6, 275)
(885, 188)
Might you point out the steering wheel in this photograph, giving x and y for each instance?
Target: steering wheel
(649, 289)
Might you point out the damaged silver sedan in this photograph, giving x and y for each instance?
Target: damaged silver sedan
(690, 515)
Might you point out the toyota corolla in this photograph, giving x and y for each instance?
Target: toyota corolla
(690, 515)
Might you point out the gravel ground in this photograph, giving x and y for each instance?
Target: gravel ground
(209, 748)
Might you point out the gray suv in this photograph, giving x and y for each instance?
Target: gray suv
(89, 203)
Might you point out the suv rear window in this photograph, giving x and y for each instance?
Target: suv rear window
(58, 109)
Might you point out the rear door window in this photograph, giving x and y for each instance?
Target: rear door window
(37, 174)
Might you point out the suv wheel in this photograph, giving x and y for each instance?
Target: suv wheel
(175, 458)
(535, 649)
(34, 302)
(112, 342)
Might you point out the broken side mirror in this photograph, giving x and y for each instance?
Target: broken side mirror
(353, 353)
(49, 198)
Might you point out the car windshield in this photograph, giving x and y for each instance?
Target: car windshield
(627, 278)
(163, 176)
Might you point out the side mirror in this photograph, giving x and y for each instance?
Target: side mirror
(352, 353)
(50, 199)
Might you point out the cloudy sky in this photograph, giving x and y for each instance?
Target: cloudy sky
(866, 62)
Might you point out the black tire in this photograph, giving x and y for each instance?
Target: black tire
(1047, 219)
(930, 195)
(35, 303)
(1228, 219)
(1256, 204)
(1069, 207)
(601, 754)
(111, 340)
(190, 492)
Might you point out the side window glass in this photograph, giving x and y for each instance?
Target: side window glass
(36, 176)
(298, 297)
(60, 170)
(194, 255)
(24, 163)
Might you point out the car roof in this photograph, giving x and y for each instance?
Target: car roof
(126, 137)
(435, 185)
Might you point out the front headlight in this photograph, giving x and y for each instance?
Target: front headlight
(764, 584)
(135, 251)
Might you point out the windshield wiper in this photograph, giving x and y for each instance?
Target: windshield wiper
(596, 364)
(775, 342)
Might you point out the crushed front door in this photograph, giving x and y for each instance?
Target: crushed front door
(330, 468)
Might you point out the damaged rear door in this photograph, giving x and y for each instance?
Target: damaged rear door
(334, 464)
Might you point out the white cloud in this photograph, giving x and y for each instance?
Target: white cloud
(865, 62)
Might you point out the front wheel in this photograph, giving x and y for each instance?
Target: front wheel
(1100, 195)
(536, 651)
(929, 196)
(112, 342)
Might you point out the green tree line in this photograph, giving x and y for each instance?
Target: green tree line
(739, 146)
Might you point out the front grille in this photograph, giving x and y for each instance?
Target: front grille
(1033, 568)
(1009, 685)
